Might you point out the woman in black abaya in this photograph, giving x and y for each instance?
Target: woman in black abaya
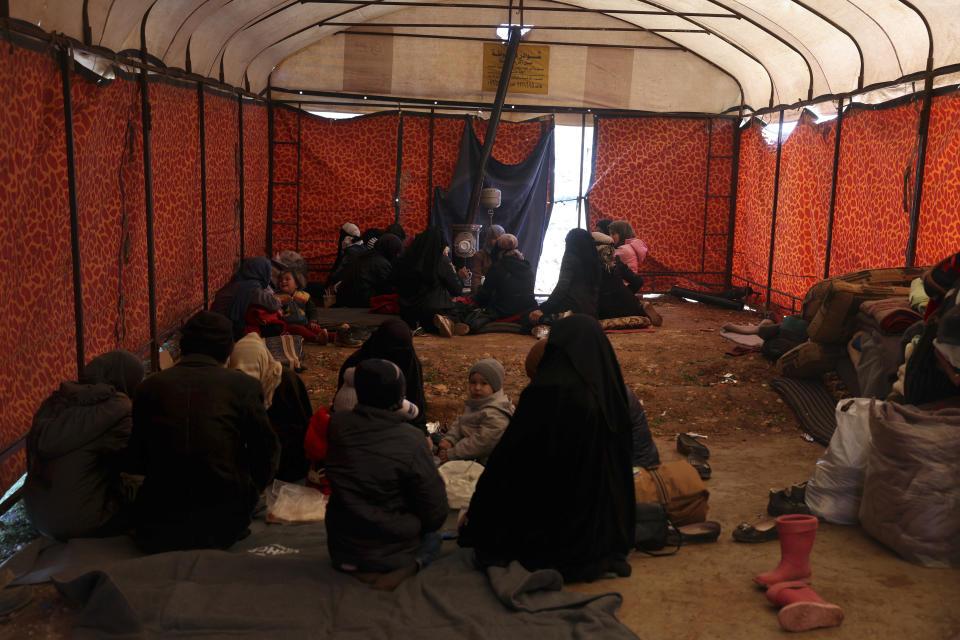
(393, 341)
(558, 489)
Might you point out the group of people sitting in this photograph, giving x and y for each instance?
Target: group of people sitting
(181, 458)
(598, 277)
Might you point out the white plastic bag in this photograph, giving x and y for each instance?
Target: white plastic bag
(288, 503)
(833, 492)
(460, 478)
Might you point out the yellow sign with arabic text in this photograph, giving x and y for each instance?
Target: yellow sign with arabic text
(530, 70)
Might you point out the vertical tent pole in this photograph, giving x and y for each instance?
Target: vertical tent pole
(922, 131)
(512, 46)
(706, 197)
(430, 173)
(203, 193)
(269, 174)
(734, 180)
(299, 154)
(583, 135)
(243, 252)
(148, 198)
(396, 182)
(773, 212)
(833, 189)
(65, 63)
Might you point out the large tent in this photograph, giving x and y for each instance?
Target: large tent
(148, 145)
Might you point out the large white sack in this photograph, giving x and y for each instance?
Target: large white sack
(833, 492)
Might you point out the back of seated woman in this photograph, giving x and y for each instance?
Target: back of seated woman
(74, 451)
(248, 289)
(557, 491)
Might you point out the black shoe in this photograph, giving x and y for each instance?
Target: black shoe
(344, 337)
(701, 465)
(688, 444)
(788, 501)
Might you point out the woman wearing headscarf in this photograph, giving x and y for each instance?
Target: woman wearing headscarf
(618, 284)
(426, 281)
(349, 236)
(558, 491)
(249, 287)
(74, 451)
(631, 250)
(579, 282)
(369, 275)
(284, 396)
(393, 341)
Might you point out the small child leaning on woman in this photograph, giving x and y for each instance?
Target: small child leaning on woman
(477, 431)
(298, 309)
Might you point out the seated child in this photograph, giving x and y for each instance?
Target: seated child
(477, 431)
(387, 499)
(297, 308)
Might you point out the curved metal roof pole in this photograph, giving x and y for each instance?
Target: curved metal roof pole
(922, 131)
(707, 60)
(771, 33)
(841, 30)
(512, 45)
(148, 195)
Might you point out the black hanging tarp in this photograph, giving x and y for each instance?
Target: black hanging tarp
(525, 193)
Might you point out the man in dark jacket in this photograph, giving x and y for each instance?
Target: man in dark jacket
(202, 438)
(387, 499)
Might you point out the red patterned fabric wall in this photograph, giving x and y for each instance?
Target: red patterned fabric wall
(751, 238)
(938, 233)
(447, 133)
(803, 204)
(178, 231)
(871, 226)
(109, 164)
(652, 172)
(256, 152)
(37, 345)
(223, 224)
(415, 200)
(347, 174)
(515, 140)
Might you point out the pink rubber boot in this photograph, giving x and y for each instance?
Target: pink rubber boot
(796, 533)
(801, 608)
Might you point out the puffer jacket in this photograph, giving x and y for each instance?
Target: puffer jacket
(633, 252)
(385, 490)
(478, 429)
(74, 446)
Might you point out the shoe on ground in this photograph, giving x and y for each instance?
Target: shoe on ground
(444, 325)
(688, 444)
(345, 337)
(701, 465)
(460, 328)
(655, 318)
(764, 531)
(791, 500)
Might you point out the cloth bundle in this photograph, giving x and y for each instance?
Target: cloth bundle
(892, 315)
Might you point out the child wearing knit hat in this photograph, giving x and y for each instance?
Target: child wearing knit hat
(477, 431)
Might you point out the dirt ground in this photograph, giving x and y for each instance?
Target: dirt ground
(686, 383)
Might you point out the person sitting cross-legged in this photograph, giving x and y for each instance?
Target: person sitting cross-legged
(387, 499)
(202, 439)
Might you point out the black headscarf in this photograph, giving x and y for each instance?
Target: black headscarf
(389, 246)
(393, 341)
(557, 491)
(579, 242)
(254, 274)
(396, 230)
(418, 266)
(120, 369)
(603, 225)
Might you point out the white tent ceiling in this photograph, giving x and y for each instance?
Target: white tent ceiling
(658, 55)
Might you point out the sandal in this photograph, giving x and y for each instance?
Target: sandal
(687, 444)
(701, 465)
(699, 532)
(763, 531)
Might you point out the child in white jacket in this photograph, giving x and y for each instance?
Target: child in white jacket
(476, 432)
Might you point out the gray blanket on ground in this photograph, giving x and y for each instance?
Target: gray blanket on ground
(278, 582)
